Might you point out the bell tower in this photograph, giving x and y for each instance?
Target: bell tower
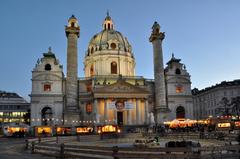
(161, 107)
(72, 32)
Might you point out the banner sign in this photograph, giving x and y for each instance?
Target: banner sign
(118, 105)
(129, 105)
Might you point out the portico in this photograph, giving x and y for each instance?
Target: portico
(121, 103)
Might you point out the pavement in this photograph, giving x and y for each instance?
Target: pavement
(13, 148)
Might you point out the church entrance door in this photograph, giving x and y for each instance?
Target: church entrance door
(120, 118)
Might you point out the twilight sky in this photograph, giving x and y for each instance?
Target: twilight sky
(204, 34)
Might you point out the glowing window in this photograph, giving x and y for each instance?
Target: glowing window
(47, 88)
(179, 89)
(89, 108)
(113, 68)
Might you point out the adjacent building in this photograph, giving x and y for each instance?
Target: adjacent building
(110, 92)
(207, 101)
(13, 108)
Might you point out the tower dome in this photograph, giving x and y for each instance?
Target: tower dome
(111, 44)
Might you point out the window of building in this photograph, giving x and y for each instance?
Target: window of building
(179, 89)
(113, 46)
(92, 50)
(113, 68)
(89, 87)
(48, 67)
(47, 87)
(89, 108)
(91, 71)
(177, 71)
(180, 112)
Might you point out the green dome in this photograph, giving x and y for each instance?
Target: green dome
(105, 38)
(108, 39)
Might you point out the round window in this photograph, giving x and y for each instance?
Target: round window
(113, 45)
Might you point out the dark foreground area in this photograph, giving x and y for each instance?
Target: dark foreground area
(13, 148)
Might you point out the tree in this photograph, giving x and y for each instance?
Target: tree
(235, 103)
(225, 107)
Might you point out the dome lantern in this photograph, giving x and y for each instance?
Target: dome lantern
(108, 23)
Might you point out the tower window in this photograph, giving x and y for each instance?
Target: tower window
(113, 46)
(113, 68)
(179, 89)
(108, 25)
(47, 87)
(91, 71)
(178, 72)
(92, 50)
(72, 24)
(48, 67)
(89, 108)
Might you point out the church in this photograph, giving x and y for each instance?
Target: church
(110, 92)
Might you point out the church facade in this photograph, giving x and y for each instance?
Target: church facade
(110, 92)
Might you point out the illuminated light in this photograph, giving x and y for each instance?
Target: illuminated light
(62, 120)
(80, 121)
(94, 121)
(237, 123)
(73, 121)
(52, 118)
(83, 121)
(118, 130)
(90, 121)
(65, 120)
(99, 131)
(224, 125)
(76, 121)
(56, 119)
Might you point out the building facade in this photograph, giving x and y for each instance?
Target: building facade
(13, 108)
(110, 92)
(207, 101)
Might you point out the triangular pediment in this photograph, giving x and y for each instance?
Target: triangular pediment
(121, 86)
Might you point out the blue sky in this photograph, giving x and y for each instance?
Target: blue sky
(204, 34)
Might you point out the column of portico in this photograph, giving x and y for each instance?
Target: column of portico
(96, 110)
(146, 111)
(129, 116)
(137, 111)
(105, 111)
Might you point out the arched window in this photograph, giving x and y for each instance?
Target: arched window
(113, 46)
(72, 24)
(46, 116)
(48, 67)
(91, 71)
(113, 68)
(180, 112)
(108, 25)
(92, 50)
(178, 72)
